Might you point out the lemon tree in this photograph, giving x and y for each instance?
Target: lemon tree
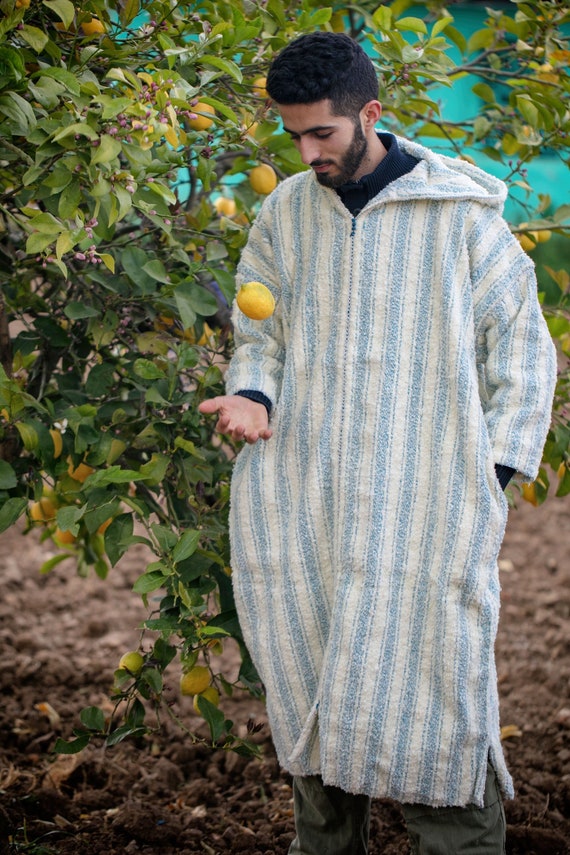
(136, 146)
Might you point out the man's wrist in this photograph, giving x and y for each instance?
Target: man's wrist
(258, 397)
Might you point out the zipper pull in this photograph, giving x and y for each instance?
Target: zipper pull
(353, 232)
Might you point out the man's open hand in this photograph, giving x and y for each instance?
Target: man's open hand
(239, 417)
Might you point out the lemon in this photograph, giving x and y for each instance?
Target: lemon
(527, 243)
(211, 694)
(258, 87)
(63, 537)
(131, 661)
(104, 526)
(256, 300)
(57, 442)
(542, 235)
(263, 178)
(225, 205)
(94, 27)
(201, 123)
(195, 681)
(43, 510)
(80, 473)
(529, 494)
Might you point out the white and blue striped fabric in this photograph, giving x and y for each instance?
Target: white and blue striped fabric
(406, 356)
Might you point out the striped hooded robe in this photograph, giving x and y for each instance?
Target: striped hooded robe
(407, 356)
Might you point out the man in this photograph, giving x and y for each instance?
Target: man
(406, 369)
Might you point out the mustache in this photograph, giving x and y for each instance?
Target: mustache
(320, 163)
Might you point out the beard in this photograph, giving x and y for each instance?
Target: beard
(351, 160)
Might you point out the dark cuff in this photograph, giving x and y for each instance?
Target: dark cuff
(258, 397)
(504, 474)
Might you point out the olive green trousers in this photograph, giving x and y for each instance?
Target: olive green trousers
(329, 821)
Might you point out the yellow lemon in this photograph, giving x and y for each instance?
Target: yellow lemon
(542, 235)
(104, 526)
(225, 205)
(529, 494)
(131, 661)
(195, 681)
(263, 178)
(259, 85)
(211, 694)
(94, 27)
(57, 442)
(43, 510)
(256, 300)
(527, 243)
(201, 123)
(63, 537)
(80, 473)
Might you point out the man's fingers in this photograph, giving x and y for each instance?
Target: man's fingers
(210, 405)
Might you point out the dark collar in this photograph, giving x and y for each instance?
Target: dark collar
(355, 194)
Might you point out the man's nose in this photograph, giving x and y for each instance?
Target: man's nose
(309, 149)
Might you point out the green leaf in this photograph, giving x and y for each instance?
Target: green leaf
(63, 244)
(64, 10)
(157, 271)
(225, 65)
(63, 76)
(11, 510)
(149, 582)
(480, 39)
(123, 732)
(8, 478)
(215, 718)
(154, 470)
(382, 18)
(52, 562)
(416, 25)
(46, 224)
(166, 538)
(77, 128)
(118, 537)
(68, 518)
(485, 92)
(193, 300)
(441, 25)
(153, 678)
(146, 369)
(72, 747)
(76, 311)
(35, 37)
(113, 475)
(108, 149)
(527, 109)
(16, 108)
(28, 435)
(93, 718)
(128, 11)
(186, 546)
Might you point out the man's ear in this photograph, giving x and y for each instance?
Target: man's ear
(371, 113)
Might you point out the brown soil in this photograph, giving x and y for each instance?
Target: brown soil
(61, 638)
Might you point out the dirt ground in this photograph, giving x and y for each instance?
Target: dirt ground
(60, 641)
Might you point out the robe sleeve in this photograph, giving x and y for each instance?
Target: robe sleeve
(516, 358)
(257, 363)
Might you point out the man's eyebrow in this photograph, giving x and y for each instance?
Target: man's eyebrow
(313, 130)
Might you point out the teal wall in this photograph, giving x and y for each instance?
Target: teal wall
(546, 173)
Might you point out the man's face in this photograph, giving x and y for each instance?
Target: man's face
(333, 146)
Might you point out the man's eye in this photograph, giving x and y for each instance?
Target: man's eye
(323, 136)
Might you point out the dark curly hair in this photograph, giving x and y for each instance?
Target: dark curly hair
(323, 65)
